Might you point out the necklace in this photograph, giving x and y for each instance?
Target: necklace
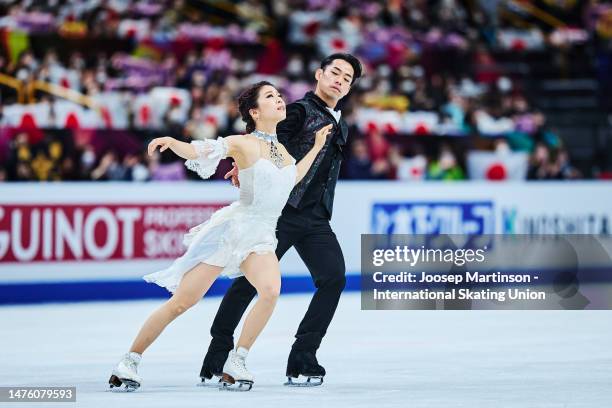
(275, 155)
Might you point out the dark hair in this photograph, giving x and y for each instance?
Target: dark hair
(247, 101)
(351, 59)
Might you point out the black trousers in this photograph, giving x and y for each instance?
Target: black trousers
(318, 247)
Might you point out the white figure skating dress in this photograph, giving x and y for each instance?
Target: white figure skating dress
(239, 229)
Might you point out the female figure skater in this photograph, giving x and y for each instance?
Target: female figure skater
(238, 239)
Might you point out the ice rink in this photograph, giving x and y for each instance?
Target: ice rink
(373, 358)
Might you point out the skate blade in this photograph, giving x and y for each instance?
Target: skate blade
(210, 382)
(228, 383)
(310, 381)
(116, 383)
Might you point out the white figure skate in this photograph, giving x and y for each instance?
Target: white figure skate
(126, 373)
(236, 377)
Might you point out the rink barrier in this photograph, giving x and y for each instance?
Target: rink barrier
(148, 221)
(59, 292)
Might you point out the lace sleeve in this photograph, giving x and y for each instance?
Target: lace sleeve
(210, 153)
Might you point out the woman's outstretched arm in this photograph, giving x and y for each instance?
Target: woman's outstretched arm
(188, 150)
(203, 156)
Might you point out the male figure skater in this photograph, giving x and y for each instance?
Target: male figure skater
(304, 223)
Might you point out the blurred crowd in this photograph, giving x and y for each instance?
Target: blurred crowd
(424, 59)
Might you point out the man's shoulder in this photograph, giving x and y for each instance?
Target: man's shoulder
(297, 105)
(296, 110)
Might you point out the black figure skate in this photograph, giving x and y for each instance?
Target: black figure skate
(304, 368)
(212, 369)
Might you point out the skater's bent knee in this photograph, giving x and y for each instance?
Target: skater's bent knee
(340, 282)
(337, 282)
(180, 306)
(343, 281)
(269, 293)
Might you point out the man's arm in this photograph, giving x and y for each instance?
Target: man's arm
(287, 129)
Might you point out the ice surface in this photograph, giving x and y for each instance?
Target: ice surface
(373, 358)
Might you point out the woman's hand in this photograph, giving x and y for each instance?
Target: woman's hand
(304, 165)
(165, 143)
(321, 136)
(233, 173)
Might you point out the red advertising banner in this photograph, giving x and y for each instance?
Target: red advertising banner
(58, 232)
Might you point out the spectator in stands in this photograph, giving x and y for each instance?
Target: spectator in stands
(135, 170)
(174, 171)
(87, 160)
(109, 168)
(561, 168)
(407, 44)
(359, 164)
(20, 157)
(539, 163)
(445, 167)
(378, 146)
(407, 168)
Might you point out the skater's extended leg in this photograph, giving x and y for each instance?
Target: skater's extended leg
(322, 254)
(193, 286)
(263, 273)
(235, 303)
(239, 295)
(233, 306)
